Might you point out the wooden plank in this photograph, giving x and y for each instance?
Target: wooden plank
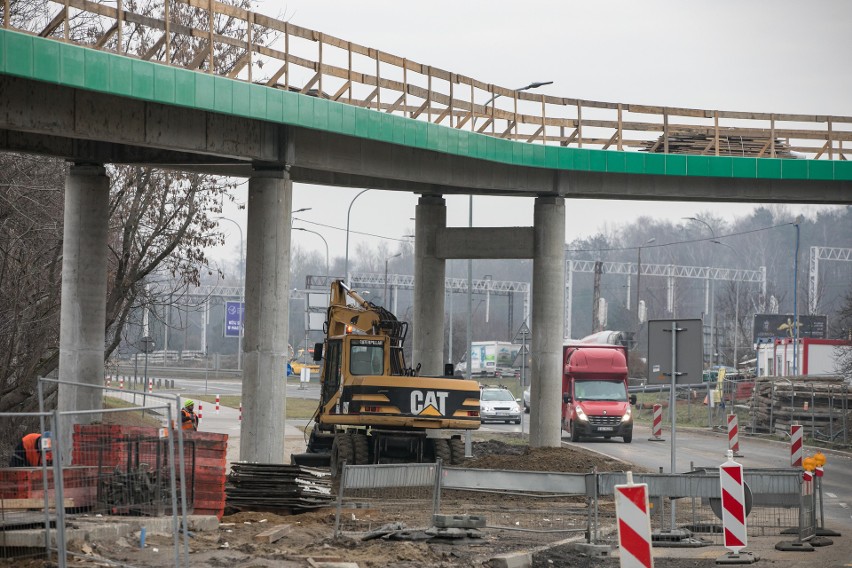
(105, 38)
(24, 504)
(273, 534)
(54, 23)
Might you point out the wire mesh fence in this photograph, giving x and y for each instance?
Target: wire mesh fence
(94, 467)
(685, 508)
(375, 495)
(689, 506)
(27, 497)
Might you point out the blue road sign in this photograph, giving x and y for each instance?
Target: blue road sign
(233, 318)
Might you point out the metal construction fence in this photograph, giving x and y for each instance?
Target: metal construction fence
(95, 468)
(686, 508)
(764, 406)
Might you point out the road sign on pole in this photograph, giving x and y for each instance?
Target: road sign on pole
(234, 318)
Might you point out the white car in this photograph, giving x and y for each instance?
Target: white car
(496, 404)
(527, 400)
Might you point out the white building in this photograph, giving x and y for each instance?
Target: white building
(813, 357)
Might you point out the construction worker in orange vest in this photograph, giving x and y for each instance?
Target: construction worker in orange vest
(28, 451)
(188, 418)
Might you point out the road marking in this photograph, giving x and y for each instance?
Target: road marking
(832, 495)
(844, 505)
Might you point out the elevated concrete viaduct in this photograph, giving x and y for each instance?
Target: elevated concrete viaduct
(93, 108)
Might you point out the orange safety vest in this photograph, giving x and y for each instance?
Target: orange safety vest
(188, 420)
(31, 449)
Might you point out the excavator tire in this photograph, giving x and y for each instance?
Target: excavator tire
(456, 451)
(341, 451)
(361, 446)
(442, 450)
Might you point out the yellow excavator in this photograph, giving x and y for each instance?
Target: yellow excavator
(372, 408)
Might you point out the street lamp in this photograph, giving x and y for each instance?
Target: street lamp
(302, 210)
(799, 220)
(712, 293)
(639, 278)
(385, 296)
(326, 247)
(534, 85)
(736, 306)
(348, 212)
(242, 295)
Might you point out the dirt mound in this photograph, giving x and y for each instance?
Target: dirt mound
(495, 454)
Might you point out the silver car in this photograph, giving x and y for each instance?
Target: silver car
(496, 404)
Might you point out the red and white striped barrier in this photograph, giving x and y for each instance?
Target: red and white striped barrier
(217, 404)
(733, 434)
(657, 424)
(150, 385)
(121, 382)
(735, 533)
(241, 411)
(796, 432)
(634, 524)
(199, 410)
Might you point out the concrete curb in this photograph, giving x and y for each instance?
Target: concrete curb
(109, 528)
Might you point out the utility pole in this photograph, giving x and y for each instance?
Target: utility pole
(596, 298)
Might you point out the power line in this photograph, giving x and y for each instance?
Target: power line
(351, 231)
(716, 238)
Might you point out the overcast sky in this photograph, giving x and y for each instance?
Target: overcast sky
(770, 56)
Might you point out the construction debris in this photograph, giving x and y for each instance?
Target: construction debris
(703, 144)
(274, 487)
(821, 403)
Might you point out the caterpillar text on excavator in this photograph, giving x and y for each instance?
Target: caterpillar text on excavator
(372, 408)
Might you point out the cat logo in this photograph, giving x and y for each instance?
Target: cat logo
(429, 403)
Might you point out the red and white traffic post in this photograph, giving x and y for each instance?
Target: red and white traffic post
(734, 527)
(121, 382)
(634, 524)
(657, 425)
(241, 412)
(199, 411)
(734, 435)
(150, 386)
(796, 449)
(217, 404)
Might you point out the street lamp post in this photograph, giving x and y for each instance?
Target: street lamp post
(242, 295)
(799, 220)
(470, 261)
(385, 295)
(639, 278)
(736, 306)
(326, 248)
(348, 212)
(712, 294)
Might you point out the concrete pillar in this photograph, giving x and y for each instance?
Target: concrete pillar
(267, 292)
(548, 308)
(429, 274)
(82, 317)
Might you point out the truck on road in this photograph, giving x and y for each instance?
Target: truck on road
(595, 402)
(487, 357)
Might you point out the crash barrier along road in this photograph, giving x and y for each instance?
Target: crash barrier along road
(552, 505)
